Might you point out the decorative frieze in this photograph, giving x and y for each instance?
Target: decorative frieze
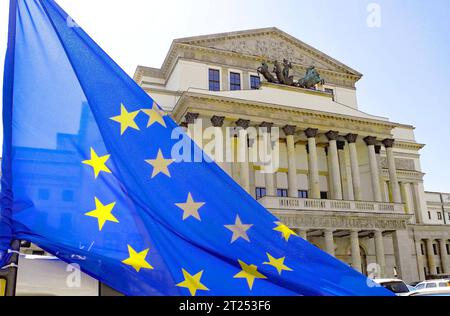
(400, 164)
(321, 221)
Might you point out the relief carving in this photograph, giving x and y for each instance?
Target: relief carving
(400, 164)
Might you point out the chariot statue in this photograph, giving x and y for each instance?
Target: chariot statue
(282, 76)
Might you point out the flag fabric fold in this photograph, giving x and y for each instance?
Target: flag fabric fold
(88, 175)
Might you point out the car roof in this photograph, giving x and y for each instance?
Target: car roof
(435, 281)
(432, 291)
(387, 280)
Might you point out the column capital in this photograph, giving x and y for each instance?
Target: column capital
(311, 132)
(217, 121)
(351, 138)
(329, 230)
(370, 140)
(332, 135)
(388, 143)
(243, 123)
(340, 145)
(266, 125)
(191, 117)
(289, 130)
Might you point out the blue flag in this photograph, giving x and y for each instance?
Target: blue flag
(89, 177)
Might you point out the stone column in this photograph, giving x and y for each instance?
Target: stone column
(329, 241)
(314, 183)
(269, 177)
(303, 233)
(346, 180)
(396, 196)
(192, 131)
(420, 259)
(404, 195)
(430, 255)
(329, 178)
(242, 149)
(220, 148)
(334, 158)
(403, 255)
(374, 172)
(417, 203)
(379, 250)
(292, 167)
(380, 173)
(356, 253)
(351, 138)
(444, 257)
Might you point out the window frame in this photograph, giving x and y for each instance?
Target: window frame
(210, 69)
(251, 76)
(282, 193)
(232, 73)
(260, 192)
(302, 192)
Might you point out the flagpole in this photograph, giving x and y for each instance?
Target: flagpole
(10, 271)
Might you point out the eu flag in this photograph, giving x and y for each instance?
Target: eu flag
(88, 176)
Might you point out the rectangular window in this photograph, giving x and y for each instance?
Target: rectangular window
(438, 270)
(429, 215)
(282, 192)
(435, 249)
(324, 195)
(260, 192)
(67, 195)
(439, 215)
(255, 82)
(422, 249)
(303, 194)
(235, 81)
(44, 194)
(448, 216)
(448, 248)
(214, 80)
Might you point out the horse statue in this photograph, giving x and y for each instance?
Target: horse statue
(311, 78)
(289, 80)
(264, 70)
(279, 72)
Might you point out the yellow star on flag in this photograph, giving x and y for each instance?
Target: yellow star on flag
(190, 208)
(277, 264)
(103, 213)
(126, 119)
(192, 282)
(160, 165)
(250, 273)
(286, 232)
(137, 259)
(97, 163)
(155, 116)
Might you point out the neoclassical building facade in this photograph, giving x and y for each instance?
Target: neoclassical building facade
(349, 182)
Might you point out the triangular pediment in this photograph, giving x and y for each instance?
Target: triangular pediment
(270, 44)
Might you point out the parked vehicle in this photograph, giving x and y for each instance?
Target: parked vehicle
(431, 292)
(397, 286)
(433, 284)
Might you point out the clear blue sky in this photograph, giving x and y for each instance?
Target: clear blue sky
(405, 62)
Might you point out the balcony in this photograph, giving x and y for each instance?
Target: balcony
(295, 204)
